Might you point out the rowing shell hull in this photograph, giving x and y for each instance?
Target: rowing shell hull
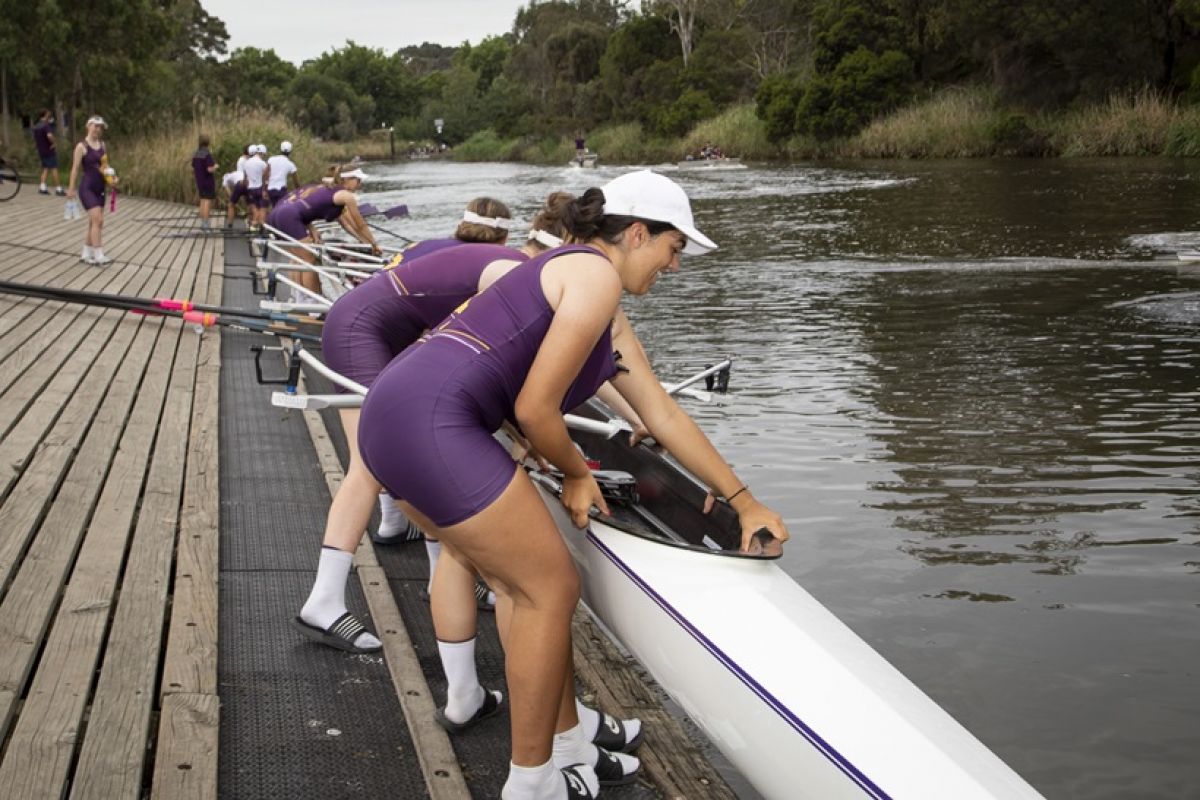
(802, 706)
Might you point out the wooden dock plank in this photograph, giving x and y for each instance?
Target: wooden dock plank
(24, 258)
(669, 757)
(41, 330)
(113, 756)
(32, 597)
(185, 763)
(20, 441)
(185, 766)
(190, 665)
(34, 454)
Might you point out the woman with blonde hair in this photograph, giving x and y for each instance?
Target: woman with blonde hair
(92, 175)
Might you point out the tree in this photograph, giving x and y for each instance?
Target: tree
(255, 77)
(370, 73)
(681, 15)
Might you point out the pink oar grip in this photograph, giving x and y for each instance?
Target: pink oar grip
(200, 318)
(174, 305)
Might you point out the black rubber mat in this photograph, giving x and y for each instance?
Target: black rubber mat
(297, 720)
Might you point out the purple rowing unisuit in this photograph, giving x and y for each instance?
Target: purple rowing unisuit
(91, 185)
(369, 325)
(304, 206)
(427, 423)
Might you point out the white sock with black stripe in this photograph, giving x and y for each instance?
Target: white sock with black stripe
(327, 601)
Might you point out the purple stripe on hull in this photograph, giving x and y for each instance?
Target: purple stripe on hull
(836, 758)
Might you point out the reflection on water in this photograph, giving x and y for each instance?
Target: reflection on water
(971, 389)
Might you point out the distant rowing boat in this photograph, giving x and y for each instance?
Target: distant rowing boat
(587, 161)
(711, 163)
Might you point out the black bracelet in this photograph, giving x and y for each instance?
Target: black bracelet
(735, 494)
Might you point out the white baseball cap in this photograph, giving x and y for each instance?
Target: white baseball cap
(262, 149)
(355, 173)
(97, 120)
(648, 195)
(285, 147)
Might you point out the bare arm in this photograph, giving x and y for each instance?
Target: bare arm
(76, 164)
(352, 220)
(675, 430)
(614, 400)
(583, 290)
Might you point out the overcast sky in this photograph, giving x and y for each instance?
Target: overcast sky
(303, 29)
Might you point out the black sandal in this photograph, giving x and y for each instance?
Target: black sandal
(341, 635)
(611, 735)
(411, 533)
(609, 770)
(491, 704)
(577, 788)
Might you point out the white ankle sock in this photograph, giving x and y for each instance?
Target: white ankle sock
(589, 720)
(393, 521)
(433, 548)
(464, 695)
(327, 601)
(543, 783)
(570, 747)
(88, 253)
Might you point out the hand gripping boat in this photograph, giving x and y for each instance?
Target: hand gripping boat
(804, 708)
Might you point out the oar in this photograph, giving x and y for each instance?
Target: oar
(201, 318)
(382, 229)
(151, 304)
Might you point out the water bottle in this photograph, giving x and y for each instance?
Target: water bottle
(69, 210)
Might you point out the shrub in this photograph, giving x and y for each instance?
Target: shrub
(863, 86)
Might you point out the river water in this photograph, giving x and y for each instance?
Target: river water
(971, 389)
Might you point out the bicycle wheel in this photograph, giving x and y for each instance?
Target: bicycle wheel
(10, 182)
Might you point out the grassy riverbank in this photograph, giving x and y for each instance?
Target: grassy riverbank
(964, 122)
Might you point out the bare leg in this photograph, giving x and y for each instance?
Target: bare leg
(348, 516)
(516, 543)
(351, 509)
(452, 597)
(95, 227)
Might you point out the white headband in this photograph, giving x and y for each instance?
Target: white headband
(491, 222)
(548, 239)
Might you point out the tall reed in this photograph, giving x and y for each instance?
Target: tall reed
(1127, 124)
(954, 123)
(158, 164)
(737, 131)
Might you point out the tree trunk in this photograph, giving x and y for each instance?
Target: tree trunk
(5, 139)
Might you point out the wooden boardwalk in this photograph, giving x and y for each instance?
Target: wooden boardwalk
(108, 513)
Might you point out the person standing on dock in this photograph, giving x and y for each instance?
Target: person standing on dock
(281, 171)
(47, 150)
(538, 342)
(235, 185)
(255, 170)
(203, 168)
(91, 174)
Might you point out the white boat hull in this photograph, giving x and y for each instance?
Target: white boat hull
(711, 163)
(797, 702)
